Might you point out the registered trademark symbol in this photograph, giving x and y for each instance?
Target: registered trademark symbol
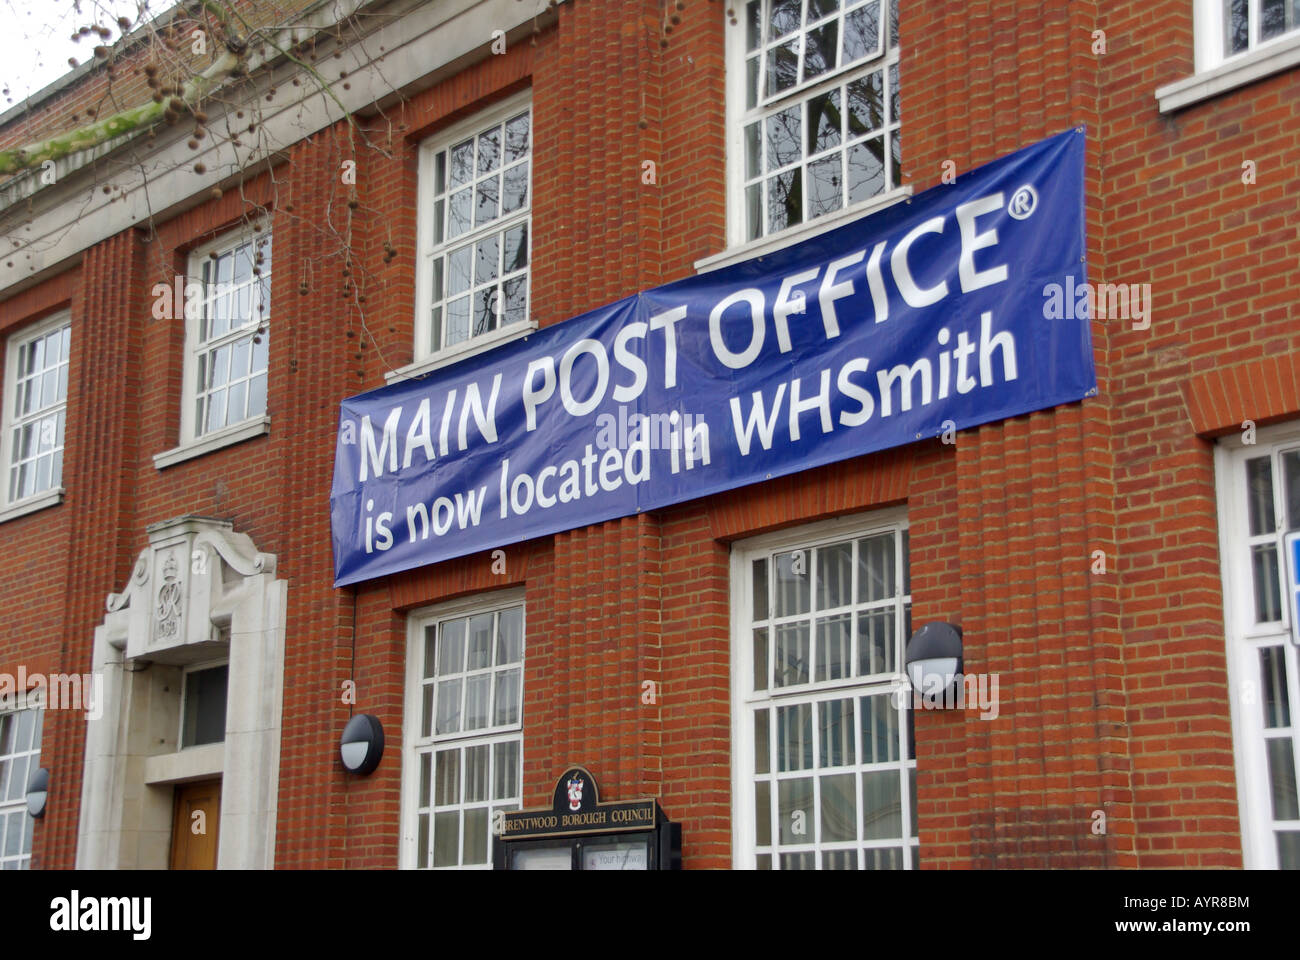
(1023, 202)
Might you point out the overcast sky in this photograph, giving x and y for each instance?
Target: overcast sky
(36, 38)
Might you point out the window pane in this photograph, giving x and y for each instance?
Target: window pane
(892, 76)
(480, 642)
(446, 789)
(515, 298)
(446, 838)
(514, 195)
(1288, 849)
(17, 789)
(487, 259)
(791, 654)
(510, 635)
(752, 151)
(477, 690)
(760, 659)
(783, 138)
(204, 720)
(451, 647)
(489, 150)
(476, 836)
(866, 105)
(760, 588)
(753, 24)
(879, 719)
(794, 737)
(763, 813)
(486, 194)
(884, 858)
(882, 810)
(862, 33)
(784, 200)
(476, 773)
(839, 809)
(1281, 774)
(785, 18)
(1272, 18)
(1277, 703)
(795, 810)
(448, 706)
(1291, 486)
(426, 767)
(426, 724)
(516, 248)
(1268, 599)
(458, 212)
(877, 644)
(505, 770)
(462, 163)
(457, 321)
(835, 575)
(876, 568)
(507, 698)
(792, 586)
(516, 138)
(825, 193)
(819, 50)
(762, 748)
(1259, 487)
(834, 646)
(824, 121)
(837, 749)
(257, 395)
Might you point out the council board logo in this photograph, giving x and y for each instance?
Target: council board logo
(575, 793)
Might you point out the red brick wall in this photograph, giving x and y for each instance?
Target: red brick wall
(1219, 255)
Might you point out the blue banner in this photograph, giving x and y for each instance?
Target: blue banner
(936, 314)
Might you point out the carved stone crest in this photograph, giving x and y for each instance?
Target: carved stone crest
(170, 596)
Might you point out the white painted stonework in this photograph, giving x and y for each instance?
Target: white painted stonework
(197, 584)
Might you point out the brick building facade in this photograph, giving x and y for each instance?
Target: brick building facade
(1116, 561)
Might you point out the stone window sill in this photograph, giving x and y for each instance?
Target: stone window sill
(1280, 54)
(50, 498)
(216, 440)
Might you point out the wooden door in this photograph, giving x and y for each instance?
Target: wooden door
(194, 825)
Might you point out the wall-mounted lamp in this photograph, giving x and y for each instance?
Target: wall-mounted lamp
(38, 786)
(362, 744)
(934, 658)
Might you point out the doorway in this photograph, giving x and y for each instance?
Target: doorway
(194, 825)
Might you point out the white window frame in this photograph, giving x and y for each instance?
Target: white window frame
(1217, 73)
(413, 742)
(743, 552)
(192, 443)
(1244, 637)
(185, 676)
(427, 356)
(739, 247)
(9, 509)
(15, 705)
